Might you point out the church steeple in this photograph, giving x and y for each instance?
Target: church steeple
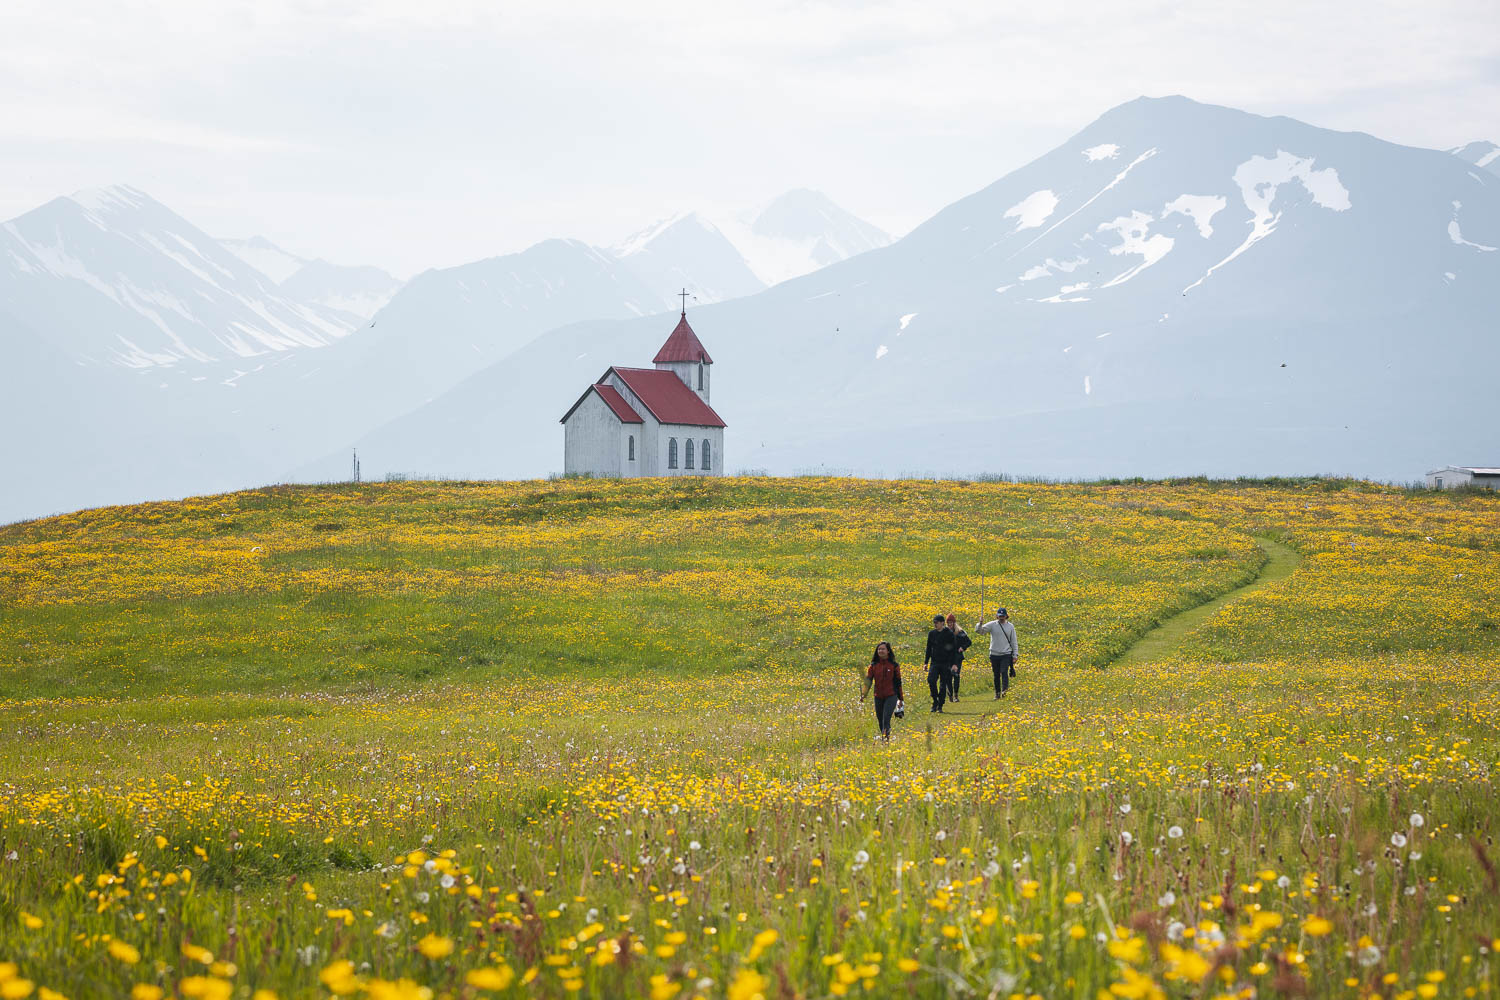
(684, 354)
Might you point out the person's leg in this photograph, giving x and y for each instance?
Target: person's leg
(957, 675)
(1005, 662)
(886, 709)
(932, 687)
(945, 681)
(997, 667)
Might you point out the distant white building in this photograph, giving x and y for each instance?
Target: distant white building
(1451, 477)
(648, 421)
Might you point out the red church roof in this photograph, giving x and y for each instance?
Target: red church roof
(682, 345)
(616, 402)
(667, 396)
(612, 399)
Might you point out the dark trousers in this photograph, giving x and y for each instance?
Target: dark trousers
(938, 679)
(1001, 666)
(884, 709)
(953, 678)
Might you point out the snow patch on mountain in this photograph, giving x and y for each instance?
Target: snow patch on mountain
(1033, 210)
(1103, 151)
(1259, 179)
(1097, 195)
(1068, 293)
(100, 204)
(1050, 267)
(1457, 236)
(1201, 208)
(1135, 238)
(1483, 154)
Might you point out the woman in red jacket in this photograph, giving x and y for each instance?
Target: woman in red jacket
(884, 676)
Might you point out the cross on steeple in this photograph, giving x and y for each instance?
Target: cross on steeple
(684, 296)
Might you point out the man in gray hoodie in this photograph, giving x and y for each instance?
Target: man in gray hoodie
(1004, 650)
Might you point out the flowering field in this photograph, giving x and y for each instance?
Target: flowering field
(604, 738)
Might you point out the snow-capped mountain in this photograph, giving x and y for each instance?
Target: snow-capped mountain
(730, 254)
(798, 233)
(113, 276)
(1178, 289)
(355, 291)
(1481, 153)
(687, 251)
(266, 257)
(358, 291)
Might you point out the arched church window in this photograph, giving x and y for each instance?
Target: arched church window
(700, 376)
(705, 463)
(689, 453)
(632, 447)
(671, 453)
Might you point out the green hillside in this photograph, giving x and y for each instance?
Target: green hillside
(232, 724)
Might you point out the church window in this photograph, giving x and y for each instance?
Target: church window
(689, 453)
(704, 456)
(700, 376)
(632, 447)
(671, 453)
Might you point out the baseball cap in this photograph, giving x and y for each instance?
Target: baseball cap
(1001, 613)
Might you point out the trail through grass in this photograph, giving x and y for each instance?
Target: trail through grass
(1164, 640)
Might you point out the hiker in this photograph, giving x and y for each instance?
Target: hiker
(942, 644)
(1003, 650)
(961, 638)
(884, 676)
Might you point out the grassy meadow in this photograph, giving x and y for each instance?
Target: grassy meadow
(604, 739)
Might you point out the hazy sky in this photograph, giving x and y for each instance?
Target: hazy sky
(420, 134)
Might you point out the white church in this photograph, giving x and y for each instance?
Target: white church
(648, 421)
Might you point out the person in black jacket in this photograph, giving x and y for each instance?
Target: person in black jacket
(942, 649)
(963, 642)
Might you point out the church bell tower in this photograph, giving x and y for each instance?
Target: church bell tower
(683, 354)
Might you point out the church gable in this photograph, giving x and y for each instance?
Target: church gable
(612, 399)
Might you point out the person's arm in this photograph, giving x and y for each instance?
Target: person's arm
(927, 654)
(964, 642)
(896, 677)
(864, 692)
(983, 627)
(1015, 647)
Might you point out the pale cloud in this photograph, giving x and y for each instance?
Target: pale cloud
(471, 128)
(79, 124)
